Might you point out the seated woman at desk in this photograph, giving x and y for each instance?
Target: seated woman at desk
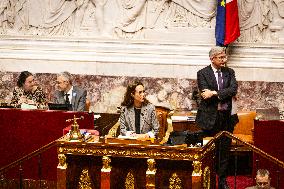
(26, 92)
(138, 116)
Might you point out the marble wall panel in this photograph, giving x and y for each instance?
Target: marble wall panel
(106, 92)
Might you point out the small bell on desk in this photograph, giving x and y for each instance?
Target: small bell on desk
(75, 135)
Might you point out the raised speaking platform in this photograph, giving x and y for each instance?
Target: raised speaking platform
(24, 131)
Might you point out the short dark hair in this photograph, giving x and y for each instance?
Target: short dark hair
(128, 99)
(22, 78)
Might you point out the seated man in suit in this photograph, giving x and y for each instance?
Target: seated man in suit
(262, 180)
(69, 94)
(138, 115)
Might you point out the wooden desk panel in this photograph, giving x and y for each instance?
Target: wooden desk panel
(185, 126)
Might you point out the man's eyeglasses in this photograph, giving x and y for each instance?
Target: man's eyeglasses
(221, 57)
(60, 82)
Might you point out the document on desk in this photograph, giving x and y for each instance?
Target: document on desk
(183, 118)
(127, 137)
(25, 106)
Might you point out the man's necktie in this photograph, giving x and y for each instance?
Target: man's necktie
(67, 101)
(221, 106)
(220, 80)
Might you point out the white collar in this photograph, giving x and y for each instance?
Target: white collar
(70, 91)
(214, 69)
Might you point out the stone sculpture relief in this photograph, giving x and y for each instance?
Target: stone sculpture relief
(261, 21)
(7, 12)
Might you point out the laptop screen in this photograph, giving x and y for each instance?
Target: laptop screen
(52, 106)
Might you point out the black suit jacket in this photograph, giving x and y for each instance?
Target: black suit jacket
(207, 110)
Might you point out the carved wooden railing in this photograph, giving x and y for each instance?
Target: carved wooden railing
(20, 182)
(256, 152)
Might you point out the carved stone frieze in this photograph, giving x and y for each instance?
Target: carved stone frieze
(260, 21)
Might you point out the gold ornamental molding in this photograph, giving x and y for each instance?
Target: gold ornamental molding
(151, 166)
(209, 149)
(150, 174)
(85, 180)
(62, 161)
(196, 168)
(147, 153)
(175, 182)
(106, 164)
(129, 180)
(206, 178)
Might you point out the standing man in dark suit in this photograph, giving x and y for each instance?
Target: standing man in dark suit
(69, 94)
(217, 85)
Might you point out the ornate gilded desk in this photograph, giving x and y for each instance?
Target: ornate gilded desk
(123, 164)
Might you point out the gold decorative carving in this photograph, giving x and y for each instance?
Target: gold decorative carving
(209, 149)
(113, 131)
(175, 182)
(196, 168)
(155, 154)
(206, 178)
(106, 164)
(196, 156)
(62, 161)
(129, 180)
(85, 180)
(150, 174)
(151, 166)
(169, 130)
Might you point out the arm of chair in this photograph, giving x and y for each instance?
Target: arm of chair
(168, 132)
(113, 132)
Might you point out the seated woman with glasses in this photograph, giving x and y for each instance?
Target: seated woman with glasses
(262, 180)
(138, 116)
(28, 93)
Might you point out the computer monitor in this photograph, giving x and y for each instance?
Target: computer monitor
(52, 106)
(5, 105)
